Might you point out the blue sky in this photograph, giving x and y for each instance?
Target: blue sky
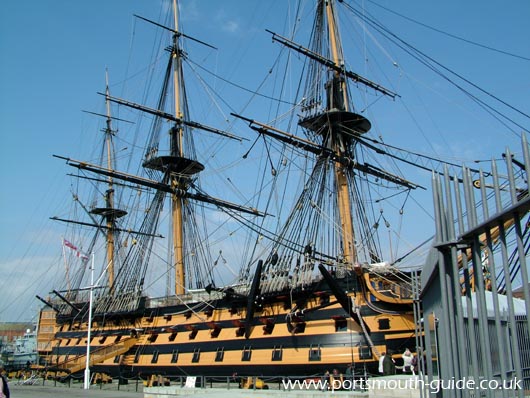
(54, 54)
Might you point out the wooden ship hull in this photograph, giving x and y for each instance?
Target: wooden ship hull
(208, 336)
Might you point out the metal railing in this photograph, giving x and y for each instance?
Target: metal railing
(474, 326)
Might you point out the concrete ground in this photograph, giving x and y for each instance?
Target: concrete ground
(38, 391)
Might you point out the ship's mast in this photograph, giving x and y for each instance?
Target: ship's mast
(109, 211)
(338, 89)
(333, 133)
(176, 181)
(179, 166)
(110, 190)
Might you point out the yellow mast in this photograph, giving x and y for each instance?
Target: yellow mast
(177, 149)
(109, 212)
(343, 195)
(110, 191)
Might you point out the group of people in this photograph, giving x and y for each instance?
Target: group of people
(340, 381)
(387, 365)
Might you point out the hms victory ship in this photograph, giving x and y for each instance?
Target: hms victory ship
(317, 281)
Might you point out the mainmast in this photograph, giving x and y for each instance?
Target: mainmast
(171, 175)
(176, 165)
(176, 182)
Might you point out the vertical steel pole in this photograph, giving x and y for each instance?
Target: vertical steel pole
(519, 236)
(457, 316)
(446, 356)
(512, 335)
(471, 345)
(501, 343)
(419, 330)
(89, 335)
(479, 282)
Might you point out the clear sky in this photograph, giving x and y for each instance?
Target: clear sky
(54, 55)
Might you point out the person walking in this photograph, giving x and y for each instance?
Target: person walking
(389, 368)
(4, 387)
(407, 361)
(381, 360)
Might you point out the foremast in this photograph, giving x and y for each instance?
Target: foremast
(343, 197)
(335, 124)
(329, 223)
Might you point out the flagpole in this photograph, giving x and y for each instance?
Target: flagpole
(65, 265)
(87, 367)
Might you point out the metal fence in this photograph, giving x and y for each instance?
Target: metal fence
(475, 292)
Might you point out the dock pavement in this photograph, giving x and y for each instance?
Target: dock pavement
(39, 391)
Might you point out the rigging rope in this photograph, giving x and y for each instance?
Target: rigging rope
(450, 34)
(431, 62)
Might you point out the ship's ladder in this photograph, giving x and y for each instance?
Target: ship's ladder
(98, 355)
(131, 358)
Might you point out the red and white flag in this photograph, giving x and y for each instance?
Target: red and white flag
(73, 247)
